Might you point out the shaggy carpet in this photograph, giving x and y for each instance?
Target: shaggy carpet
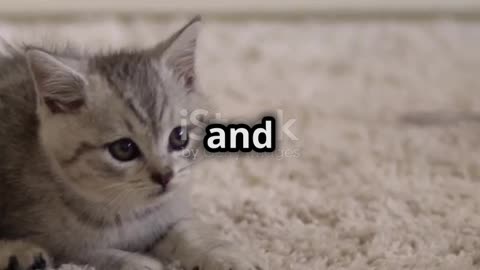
(385, 173)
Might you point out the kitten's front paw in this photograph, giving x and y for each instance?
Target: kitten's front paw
(19, 255)
(228, 258)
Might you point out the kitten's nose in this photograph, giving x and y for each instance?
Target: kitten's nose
(163, 178)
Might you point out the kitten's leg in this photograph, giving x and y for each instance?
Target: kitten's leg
(113, 259)
(21, 255)
(199, 247)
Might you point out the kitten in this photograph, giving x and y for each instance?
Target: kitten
(91, 168)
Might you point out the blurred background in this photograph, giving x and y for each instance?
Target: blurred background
(383, 96)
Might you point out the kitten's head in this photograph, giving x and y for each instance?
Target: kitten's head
(115, 125)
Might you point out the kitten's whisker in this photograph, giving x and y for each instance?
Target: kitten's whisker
(185, 168)
(116, 198)
(112, 186)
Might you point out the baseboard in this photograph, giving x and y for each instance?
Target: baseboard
(240, 8)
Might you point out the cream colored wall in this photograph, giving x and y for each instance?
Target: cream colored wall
(58, 7)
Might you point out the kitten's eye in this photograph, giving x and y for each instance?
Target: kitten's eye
(178, 139)
(124, 150)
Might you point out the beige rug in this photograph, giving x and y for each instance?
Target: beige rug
(386, 171)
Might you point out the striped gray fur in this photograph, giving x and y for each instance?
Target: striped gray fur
(62, 194)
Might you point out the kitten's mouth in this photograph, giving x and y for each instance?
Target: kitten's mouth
(161, 191)
(165, 189)
(158, 192)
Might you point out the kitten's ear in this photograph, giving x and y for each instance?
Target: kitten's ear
(179, 52)
(7, 48)
(58, 82)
